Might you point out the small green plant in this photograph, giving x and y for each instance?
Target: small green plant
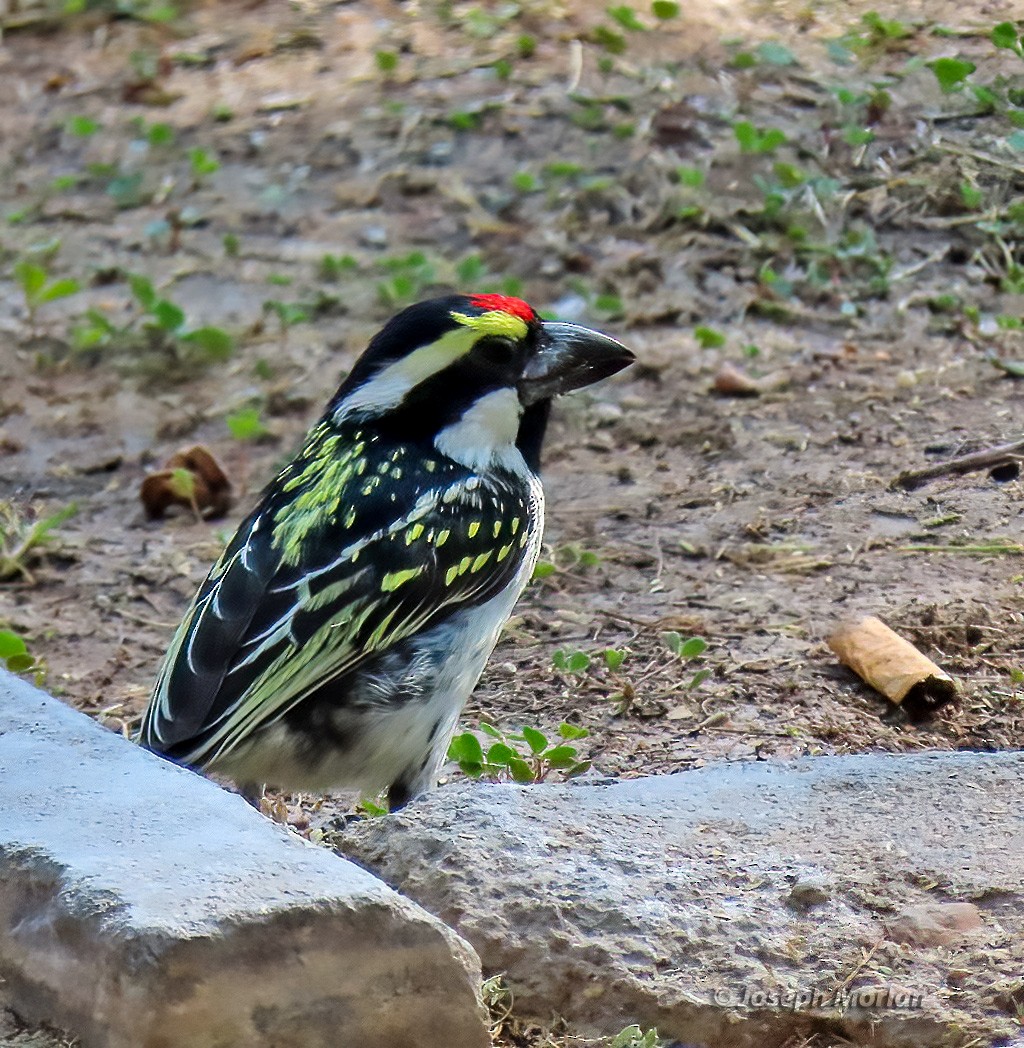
(1016, 675)
(708, 338)
(14, 653)
(141, 10)
(951, 73)
(665, 9)
(81, 126)
(636, 1037)
(387, 61)
(38, 289)
(372, 807)
(166, 324)
(470, 271)
(752, 139)
(407, 277)
(524, 757)
(626, 17)
(332, 268)
(614, 658)
(203, 164)
(686, 649)
(21, 540)
(576, 662)
(1006, 35)
(246, 424)
(524, 181)
(288, 315)
(160, 326)
(566, 558)
(613, 42)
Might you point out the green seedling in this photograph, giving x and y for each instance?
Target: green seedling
(332, 268)
(1006, 35)
(38, 289)
(470, 271)
(156, 11)
(14, 653)
(613, 42)
(525, 182)
(752, 139)
(576, 662)
(407, 278)
(626, 17)
(21, 542)
(685, 650)
(166, 324)
(1016, 675)
(288, 315)
(203, 164)
(246, 424)
(951, 73)
(708, 338)
(524, 757)
(564, 559)
(81, 126)
(636, 1037)
(387, 61)
(614, 658)
(160, 326)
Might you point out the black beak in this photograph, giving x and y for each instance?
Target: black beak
(569, 357)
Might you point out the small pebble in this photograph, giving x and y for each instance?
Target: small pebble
(373, 236)
(807, 893)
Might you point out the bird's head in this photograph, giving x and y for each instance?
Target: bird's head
(473, 374)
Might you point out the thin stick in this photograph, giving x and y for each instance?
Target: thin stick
(1003, 455)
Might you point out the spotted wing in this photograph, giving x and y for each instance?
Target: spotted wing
(319, 580)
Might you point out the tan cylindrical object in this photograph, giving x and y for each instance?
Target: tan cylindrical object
(892, 665)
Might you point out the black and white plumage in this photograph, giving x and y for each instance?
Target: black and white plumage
(338, 637)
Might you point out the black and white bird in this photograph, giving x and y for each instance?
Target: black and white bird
(345, 625)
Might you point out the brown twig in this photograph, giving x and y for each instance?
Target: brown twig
(1003, 455)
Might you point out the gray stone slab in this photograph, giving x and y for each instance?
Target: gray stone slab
(739, 905)
(143, 907)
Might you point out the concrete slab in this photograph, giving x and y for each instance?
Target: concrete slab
(143, 907)
(878, 898)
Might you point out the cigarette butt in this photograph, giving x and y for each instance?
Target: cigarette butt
(892, 665)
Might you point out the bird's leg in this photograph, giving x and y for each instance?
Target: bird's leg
(253, 793)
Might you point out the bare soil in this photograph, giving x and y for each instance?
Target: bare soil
(866, 273)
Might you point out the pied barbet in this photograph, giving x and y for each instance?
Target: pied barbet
(345, 625)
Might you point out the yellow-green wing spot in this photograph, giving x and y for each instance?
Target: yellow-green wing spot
(393, 579)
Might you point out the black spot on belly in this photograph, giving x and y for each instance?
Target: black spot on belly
(430, 738)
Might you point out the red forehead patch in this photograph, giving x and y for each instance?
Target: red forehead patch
(505, 304)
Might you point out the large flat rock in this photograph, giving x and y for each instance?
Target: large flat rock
(143, 907)
(741, 905)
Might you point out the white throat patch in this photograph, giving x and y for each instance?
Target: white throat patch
(486, 434)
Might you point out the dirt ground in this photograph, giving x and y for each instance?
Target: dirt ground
(859, 260)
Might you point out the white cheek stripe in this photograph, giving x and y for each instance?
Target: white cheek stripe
(389, 386)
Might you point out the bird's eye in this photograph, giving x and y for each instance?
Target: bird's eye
(499, 352)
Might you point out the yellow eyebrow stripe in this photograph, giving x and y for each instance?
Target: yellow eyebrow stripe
(494, 322)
